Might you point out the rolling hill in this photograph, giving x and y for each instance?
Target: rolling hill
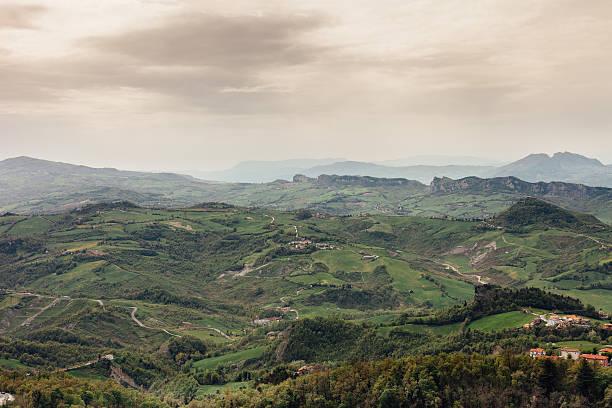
(188, 300)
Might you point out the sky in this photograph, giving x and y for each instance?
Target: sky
(201, 85)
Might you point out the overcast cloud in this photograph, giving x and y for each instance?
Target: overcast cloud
(165, 85)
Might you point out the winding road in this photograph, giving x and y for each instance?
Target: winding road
(141, 324)
(30, 319)
(479, 278)
(220, 332)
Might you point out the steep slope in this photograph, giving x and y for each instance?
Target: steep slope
(421, 173)
(515, 185)
(577, 197)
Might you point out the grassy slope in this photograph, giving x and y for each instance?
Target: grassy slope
(196, 253)
(501, 321)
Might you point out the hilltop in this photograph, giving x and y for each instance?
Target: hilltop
(532, 212)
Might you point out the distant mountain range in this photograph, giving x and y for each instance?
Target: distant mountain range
(565, 167)
(256, 171)
(568, 167)
(37, 186)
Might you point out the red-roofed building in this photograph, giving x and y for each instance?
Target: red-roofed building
(601, 360)
(605, 350)
(535, 352)
(549, 357)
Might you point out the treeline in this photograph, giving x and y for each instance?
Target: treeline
(446, 380)
(63, 390)
(48, 354)
(162, 296)
(491, 299)
(383, 297)
(198, 252)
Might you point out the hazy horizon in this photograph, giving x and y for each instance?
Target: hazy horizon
(178, 86)
(418, 160)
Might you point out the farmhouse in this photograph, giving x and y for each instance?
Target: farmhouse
(605, 350)
(570, 353)
(601, 360)
(535, 352)
(607, 326)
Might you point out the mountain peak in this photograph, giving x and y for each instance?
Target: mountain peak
(564, 166)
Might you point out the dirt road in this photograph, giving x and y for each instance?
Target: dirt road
(30, 319)
(220, 332)
(479, 278)
(141, 324)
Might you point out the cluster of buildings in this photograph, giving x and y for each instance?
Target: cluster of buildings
(602, 357)
(571, 320)
(559, 321)
(305, 243)
(266, 321)
(269, 320)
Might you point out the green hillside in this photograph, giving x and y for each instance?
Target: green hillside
(175, 294)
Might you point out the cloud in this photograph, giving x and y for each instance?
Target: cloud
(19, 16)
(191, 61)
(207, 40)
